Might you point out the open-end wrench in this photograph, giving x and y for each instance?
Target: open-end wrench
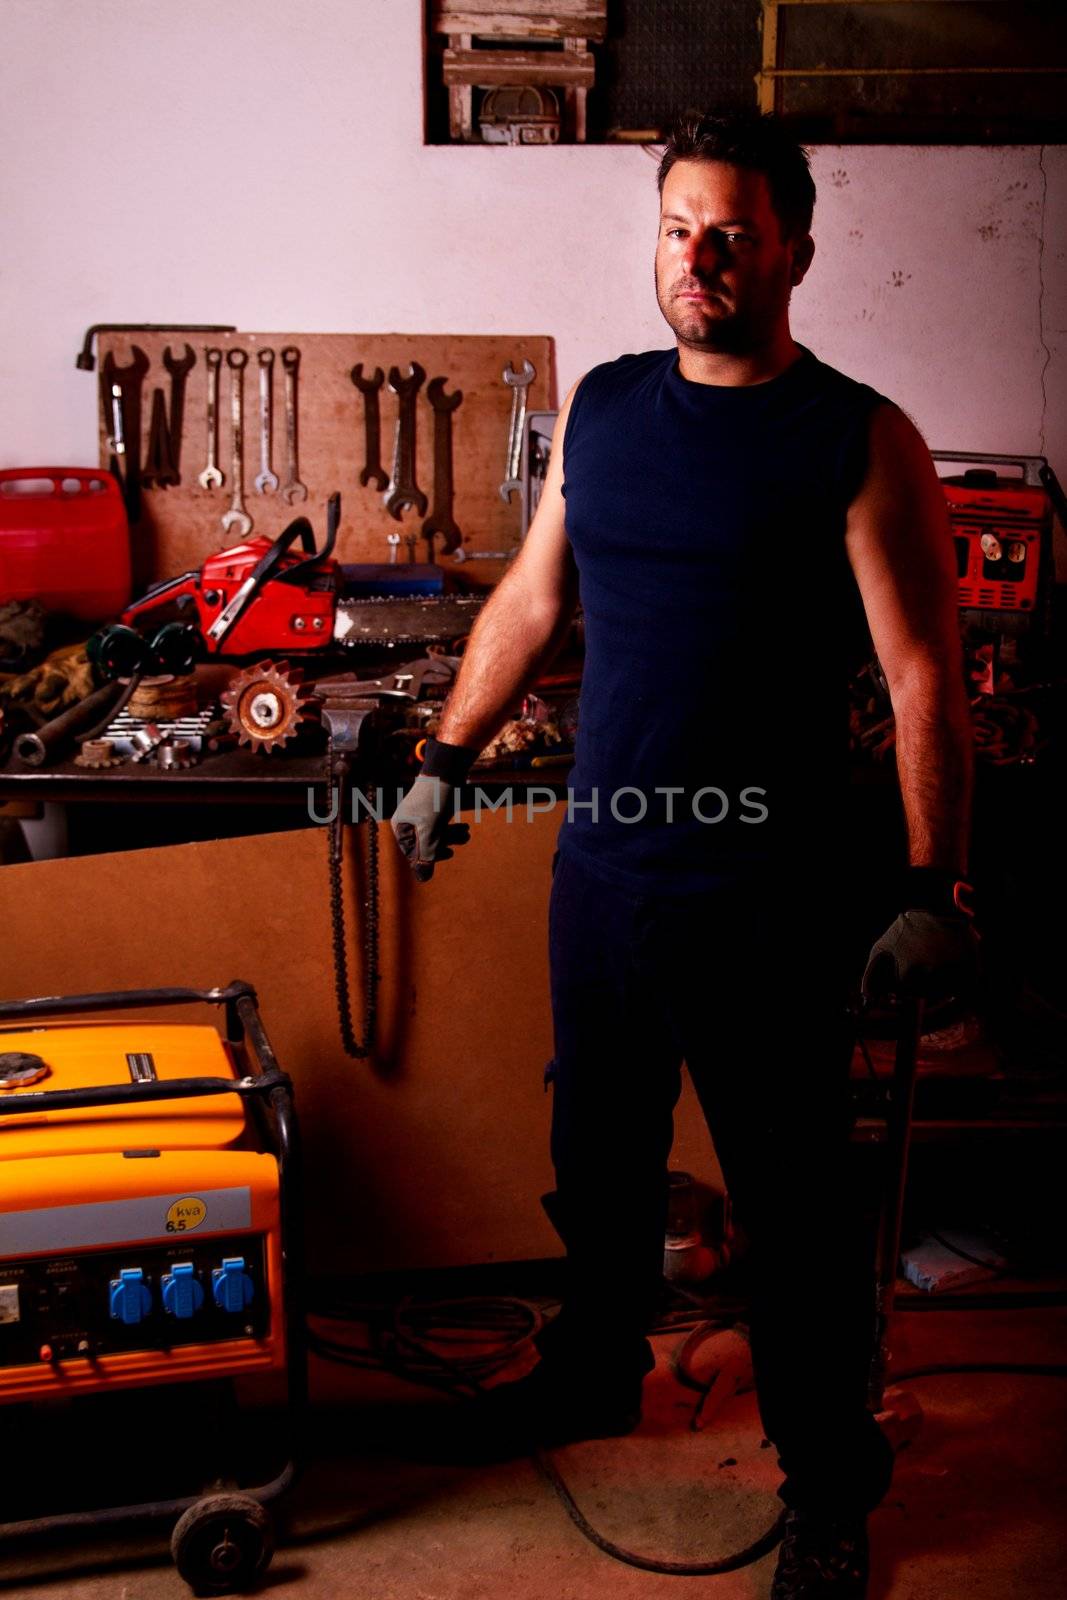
(128, 381)
(403, 490)
(237, 517)
(211, 477)
(292, 489)
(441, 519)
(518, 383)
(111, 397)
(178, 370)
(373, 471)
(266, 479)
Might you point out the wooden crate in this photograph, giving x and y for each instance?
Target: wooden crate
(180, 526)
(466, 66)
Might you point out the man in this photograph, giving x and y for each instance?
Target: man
(729, 509)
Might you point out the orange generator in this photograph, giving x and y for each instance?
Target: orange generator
(148, 1226)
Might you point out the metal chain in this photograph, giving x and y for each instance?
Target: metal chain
(337, 768)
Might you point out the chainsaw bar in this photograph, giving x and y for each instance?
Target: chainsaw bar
(389, 619)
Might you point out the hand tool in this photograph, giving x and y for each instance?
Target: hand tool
(212, 477)
(435, 674)
(129, 379)
(178, 370)
(300, 601)
(266, 478)
(158, 468)
(237, 517)
(483, 555)
(372, 471)
(85, 361)
(441, 519)
(111, 396)
(403, 490)
(518, 383)
(292, 490)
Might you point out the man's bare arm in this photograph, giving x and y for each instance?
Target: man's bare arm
(901, 551)
(524, 622)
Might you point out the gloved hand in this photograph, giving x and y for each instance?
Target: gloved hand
(421, 822)
(931, 950)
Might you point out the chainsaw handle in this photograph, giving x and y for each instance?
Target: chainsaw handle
(316, 557)
(299, 526)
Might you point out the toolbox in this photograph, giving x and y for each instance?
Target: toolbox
(147, 1228)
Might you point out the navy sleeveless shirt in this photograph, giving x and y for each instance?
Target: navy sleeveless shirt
(722, 619)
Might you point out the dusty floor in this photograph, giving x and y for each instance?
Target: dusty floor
(978, 1506)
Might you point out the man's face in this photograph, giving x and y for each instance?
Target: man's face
(723, 273)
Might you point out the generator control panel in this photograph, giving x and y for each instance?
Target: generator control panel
(138, 1297)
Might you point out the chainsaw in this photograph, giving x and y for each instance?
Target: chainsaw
(264, 596)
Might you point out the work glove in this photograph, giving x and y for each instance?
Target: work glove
(422, 822)
(931, 951)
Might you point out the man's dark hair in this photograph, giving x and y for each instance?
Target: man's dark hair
(757, 141)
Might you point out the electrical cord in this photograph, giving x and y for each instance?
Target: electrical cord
(398, 1343)
(681, 1569)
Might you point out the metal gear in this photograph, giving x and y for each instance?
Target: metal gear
(174, 755)
(145, 739)
(267, 704)
(98, 753)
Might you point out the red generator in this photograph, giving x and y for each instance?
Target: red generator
(1002, 531)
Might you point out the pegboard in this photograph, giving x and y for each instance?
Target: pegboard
(181, 525)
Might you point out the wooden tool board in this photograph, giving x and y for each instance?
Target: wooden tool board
(180, 526)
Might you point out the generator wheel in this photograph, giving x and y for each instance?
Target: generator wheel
(222, 1543)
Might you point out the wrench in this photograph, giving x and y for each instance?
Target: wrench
(441, 519)
(368, 388)
(237, 517)
(178, 371)
(266, 479)
(292, 489)
(518, 383)
(211, 477)
(128, 381)
(403, 490)
(111, 394)
(159, 467)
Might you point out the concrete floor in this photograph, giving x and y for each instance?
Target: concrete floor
(977, 1509)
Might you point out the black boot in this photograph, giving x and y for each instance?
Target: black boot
(822, 1558)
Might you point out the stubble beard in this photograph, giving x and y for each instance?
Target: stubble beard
(725, 331)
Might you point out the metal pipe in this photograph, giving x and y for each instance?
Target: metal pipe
(35, 748)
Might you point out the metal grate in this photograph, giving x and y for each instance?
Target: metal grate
(663, 57)
(191, 727)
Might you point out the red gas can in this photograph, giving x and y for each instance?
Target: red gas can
(64, 540)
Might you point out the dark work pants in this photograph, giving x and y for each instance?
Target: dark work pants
(743, 986)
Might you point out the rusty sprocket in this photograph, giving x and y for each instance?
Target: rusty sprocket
(266, 705)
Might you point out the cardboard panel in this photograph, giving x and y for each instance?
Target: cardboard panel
(434, 1153)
